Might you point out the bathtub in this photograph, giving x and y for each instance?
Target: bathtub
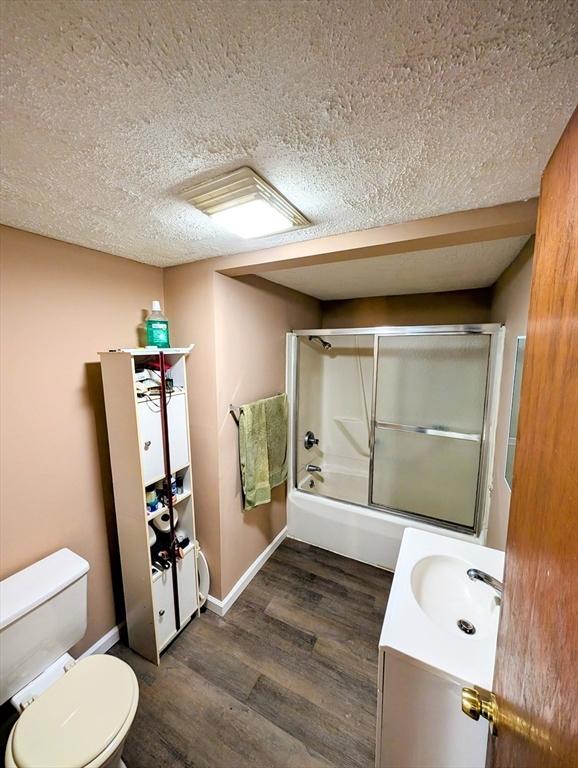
(334, 484)
(351, 528)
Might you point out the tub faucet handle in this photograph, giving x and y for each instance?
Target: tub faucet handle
(310, 440)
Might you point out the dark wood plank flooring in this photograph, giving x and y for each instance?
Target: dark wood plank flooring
(287, 679)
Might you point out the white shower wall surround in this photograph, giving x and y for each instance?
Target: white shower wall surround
(400, 413)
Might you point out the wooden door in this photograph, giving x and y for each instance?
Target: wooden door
(536, 679)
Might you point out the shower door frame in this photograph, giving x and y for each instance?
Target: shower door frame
(488, 420)
(492, 392)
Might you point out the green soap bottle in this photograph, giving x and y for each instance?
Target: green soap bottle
(157, 327)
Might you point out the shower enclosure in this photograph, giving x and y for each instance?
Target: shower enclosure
(391, 427)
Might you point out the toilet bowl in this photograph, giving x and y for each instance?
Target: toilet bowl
(74, 714)
(80, 721)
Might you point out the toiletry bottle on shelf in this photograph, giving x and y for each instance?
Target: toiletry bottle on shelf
(157, 327)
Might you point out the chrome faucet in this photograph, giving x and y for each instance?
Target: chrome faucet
(313, 468)
(475, 575)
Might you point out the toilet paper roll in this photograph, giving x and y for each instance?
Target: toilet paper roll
(163, 522)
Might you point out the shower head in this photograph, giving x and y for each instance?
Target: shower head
(324, 344)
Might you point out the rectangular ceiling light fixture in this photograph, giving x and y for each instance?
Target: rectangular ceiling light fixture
(245, 204)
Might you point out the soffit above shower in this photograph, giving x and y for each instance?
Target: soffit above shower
(455, 268)
(361, 113)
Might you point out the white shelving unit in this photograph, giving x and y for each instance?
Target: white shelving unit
(138, 463)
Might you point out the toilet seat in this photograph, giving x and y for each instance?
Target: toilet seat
(80, 720)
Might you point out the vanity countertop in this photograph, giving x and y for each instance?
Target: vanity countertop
(431, 591)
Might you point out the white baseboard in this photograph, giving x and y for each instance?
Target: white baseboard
(220, 607)
(104, 643)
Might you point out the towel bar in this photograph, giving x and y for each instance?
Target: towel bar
(234, 408)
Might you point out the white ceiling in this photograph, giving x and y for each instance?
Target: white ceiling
(362, 112)
(441, 269)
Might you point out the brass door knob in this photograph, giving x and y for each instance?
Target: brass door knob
(478, 703)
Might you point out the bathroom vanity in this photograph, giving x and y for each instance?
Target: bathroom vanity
(439, 635)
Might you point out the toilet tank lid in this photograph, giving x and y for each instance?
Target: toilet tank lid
(27, 589)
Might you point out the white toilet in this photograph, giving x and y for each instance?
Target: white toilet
(73, 714)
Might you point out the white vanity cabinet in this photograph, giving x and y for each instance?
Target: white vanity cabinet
(425, 659)
(138, 463)
(421, 723)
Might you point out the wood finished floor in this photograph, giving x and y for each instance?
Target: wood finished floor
(287, 679)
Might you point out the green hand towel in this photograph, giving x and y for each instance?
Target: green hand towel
(263, 448)
(253, 454)
(276, 416)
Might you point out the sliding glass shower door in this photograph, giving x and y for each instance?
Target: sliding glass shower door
(429, 401)
(398, 419)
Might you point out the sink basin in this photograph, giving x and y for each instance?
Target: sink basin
(442, 589)
(430, 593)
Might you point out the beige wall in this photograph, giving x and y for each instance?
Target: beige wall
(511, 300)
(239, 326)
(252, 319)
(60, 305)
(415, 309)
(190, 307)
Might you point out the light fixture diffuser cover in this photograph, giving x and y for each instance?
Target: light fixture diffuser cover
(246, 204)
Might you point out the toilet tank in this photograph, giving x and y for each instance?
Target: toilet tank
(42, 615)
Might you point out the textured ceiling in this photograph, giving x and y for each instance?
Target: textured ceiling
(362, 113)
(440, 269)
